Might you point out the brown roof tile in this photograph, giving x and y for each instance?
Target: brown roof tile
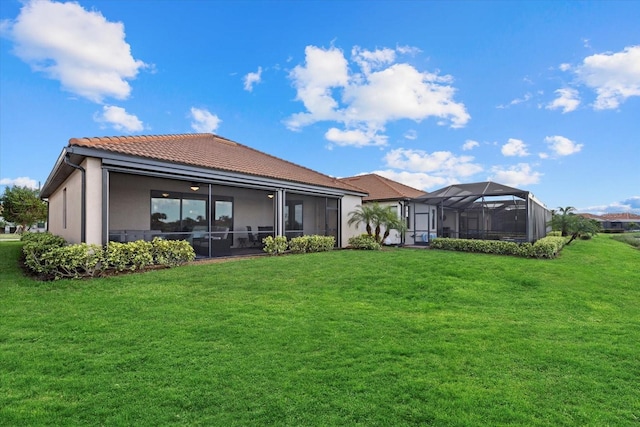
(624, 215)
(381, 188)
(612, 216)
(210, 151)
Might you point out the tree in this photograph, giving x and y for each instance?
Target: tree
(375, 217)
(23, 207)
(579, 226)
(362, 215)
(560, 221)
(573, 225)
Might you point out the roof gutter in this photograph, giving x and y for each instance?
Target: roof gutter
(83, 207)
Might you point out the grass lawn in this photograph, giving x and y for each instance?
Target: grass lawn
(9, 236)
(391, 338)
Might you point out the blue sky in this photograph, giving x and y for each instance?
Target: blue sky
(543, 96)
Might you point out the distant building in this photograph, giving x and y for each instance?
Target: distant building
(616, 222)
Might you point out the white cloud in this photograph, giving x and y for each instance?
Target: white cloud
(354, 137)
(365, 102)
(565, 67)
(79, 48)
(408, 50)
(119, 119)
(203, 120)
(631, 205)
(470, 144)
(252, 79)
(515, 176)
(323, 71)
(514, 147)
(411, 134)
(562, 146)
(568, 100)
(614, 76)
(372, 60)
(441, 164)
(22, 181)
(527, 96)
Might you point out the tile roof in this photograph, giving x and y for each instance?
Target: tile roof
(623, 216)
(381, 188)
(210, 151)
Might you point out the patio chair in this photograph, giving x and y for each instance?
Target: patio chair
(253, 239)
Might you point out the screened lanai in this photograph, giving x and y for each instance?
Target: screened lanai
(488, 211)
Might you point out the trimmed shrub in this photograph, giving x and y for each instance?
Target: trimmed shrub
(75, 261)
(314, 243)
(365, 242)
(171, 253)
(554, 234)
(275, 245)
(49, 256)
(35, 245)
(547, 247)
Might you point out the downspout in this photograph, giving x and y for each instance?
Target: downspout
(83, 208)
(403, 218)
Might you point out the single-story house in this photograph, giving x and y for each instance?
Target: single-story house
(216, 193)
(387, 192)
(616, 222)
(483, 210)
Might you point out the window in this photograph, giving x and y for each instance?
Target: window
(64, 208)
(177, 212)
(293, 215)
(223, 213)
(182, 212)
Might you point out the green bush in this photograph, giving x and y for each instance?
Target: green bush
(50, 257)
(129, 256)
(75, 261)
(547, 247)
(35, 245)
(171, 253)
(554, 234)
(275, 245)
(364, 241)
(313, 243)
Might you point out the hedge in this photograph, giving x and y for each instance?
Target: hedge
(364, 241)
(302, 244)
(547, 247)
(51, 257)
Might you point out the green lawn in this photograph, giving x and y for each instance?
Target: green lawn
(392, 338)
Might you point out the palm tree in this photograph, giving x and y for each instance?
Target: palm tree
(563, 221)
(391, 221)
(362, 215)
(375, 217)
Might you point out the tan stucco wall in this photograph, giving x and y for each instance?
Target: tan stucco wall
(93, 169)
(349, 204)
(72, 233)
(73, 186)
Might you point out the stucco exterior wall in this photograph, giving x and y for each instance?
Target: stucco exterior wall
(93, 168)
(65, 209)
(349, 204)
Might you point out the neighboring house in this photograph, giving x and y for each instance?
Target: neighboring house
(216, 193)
(387, 192)
(616, 222)
(485, 210)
